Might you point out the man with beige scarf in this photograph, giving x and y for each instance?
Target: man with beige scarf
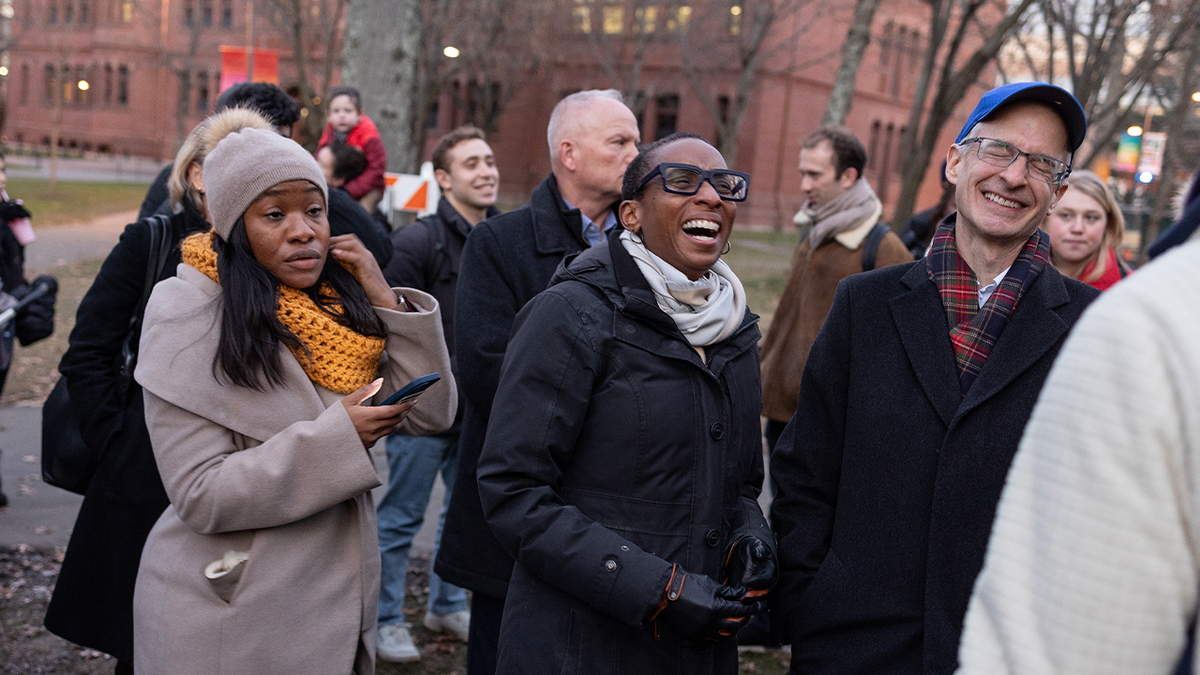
(838, 238)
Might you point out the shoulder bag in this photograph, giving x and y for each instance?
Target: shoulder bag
(67, 461)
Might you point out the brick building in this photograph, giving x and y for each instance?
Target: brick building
(134, 55)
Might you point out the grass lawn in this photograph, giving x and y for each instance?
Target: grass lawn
(762, 261)
(74, 203)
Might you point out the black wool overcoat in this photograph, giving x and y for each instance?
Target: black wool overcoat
(615, 450)
(92, 603)
(888, 477)
(506, 261)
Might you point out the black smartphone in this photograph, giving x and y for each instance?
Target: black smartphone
(412, 390)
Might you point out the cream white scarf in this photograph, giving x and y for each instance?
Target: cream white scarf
(707, 310)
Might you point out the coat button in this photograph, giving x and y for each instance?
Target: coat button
(717, 430)
(713, 538)
(610, 565)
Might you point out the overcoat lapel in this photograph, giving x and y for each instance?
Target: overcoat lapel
(1032, 330)
(921, 321)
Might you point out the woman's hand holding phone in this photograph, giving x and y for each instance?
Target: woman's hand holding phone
(373, 422)
(348, 250)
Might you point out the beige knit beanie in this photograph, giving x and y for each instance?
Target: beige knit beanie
(244, 164)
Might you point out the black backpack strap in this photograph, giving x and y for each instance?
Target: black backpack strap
(160, 247)
(871, 245)
(437, 237)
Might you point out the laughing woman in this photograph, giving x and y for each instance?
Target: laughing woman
(257, 361)
(624, 458)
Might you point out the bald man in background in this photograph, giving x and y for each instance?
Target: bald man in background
(507, 260)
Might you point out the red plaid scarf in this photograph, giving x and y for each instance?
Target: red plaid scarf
(974, 331)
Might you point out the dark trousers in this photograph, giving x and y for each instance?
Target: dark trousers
(483, 643)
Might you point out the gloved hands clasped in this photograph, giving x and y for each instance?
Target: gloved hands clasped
(699, 608)
(749, 564)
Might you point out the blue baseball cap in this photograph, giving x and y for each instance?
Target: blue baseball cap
(1056, 98)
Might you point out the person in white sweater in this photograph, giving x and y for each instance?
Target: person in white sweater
(1093, 559)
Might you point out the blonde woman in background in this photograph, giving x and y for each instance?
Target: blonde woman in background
(1085, 228)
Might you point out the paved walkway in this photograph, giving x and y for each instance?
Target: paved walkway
(42, 515)
(99, 169)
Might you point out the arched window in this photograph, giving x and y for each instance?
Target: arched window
(123, 85)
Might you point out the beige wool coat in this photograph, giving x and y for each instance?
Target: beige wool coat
(281, 478)
(805, 302)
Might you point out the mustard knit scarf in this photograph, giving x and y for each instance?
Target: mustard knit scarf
(339, 359)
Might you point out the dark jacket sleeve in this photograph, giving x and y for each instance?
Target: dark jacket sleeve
(807, 464)
(347, 216)
(409, 266)
(372, 177)
(101, 324)
(157, 194)
(1177, 233)
(540, 408)
(485, 306)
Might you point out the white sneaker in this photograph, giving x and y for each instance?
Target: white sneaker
(457, 624)
(395, 645)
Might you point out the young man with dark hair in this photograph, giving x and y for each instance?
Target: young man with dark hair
(841, 234)
(427, 255)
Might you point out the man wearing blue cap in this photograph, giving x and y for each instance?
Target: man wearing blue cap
(913, 400)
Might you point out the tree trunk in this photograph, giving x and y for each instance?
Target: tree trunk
(952, 86)
(857, 39)
(382, 48)
(1189, 79)
(56, 112)
(181, 105)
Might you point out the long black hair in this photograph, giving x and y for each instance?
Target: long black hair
(248, 350)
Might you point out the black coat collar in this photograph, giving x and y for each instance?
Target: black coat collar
(1033, 329)
(454, 220)
(557, 228)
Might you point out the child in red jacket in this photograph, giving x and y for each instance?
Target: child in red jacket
(348, 125)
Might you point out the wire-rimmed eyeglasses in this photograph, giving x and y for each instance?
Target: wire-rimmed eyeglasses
(1002, 154)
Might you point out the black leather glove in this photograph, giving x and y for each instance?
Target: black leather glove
(10, 211)
(750, 565)
(699, 608)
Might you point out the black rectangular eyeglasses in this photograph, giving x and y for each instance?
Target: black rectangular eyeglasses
(685, 179)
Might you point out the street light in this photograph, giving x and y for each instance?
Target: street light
(1196, 97)
(451, 52)
(83, 85)
(3, 71)
(1134, 131)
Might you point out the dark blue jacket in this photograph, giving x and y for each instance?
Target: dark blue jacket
(507, 260)
(614, 450)
(889, 478)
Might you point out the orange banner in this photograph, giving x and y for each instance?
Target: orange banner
(234, 61)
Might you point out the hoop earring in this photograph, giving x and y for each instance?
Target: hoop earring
(728, 246)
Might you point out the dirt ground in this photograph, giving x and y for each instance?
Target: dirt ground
(27, 577)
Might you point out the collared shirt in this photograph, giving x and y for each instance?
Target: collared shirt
(591, 231)
(985, 292)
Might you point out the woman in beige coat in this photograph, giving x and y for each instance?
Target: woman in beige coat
(257, 361)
